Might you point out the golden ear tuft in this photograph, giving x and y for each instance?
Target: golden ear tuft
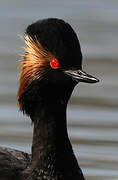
(35, 63)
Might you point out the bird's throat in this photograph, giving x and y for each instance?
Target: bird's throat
(50, 138)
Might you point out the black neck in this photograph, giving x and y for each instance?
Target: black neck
(50, 132)
(52, 154)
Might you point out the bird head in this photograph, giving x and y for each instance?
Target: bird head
(52, 58)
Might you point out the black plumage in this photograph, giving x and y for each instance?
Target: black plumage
(43, 95)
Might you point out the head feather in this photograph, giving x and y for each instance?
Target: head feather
(34, 64)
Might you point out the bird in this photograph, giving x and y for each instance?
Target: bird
(50, 69)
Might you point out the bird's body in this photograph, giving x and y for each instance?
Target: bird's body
(51, 68)
(12, 163)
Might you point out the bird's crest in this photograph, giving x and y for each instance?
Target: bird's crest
(36, 61)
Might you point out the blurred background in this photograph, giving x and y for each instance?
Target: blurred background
(93, 109)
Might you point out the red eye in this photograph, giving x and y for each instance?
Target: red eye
(54, 63)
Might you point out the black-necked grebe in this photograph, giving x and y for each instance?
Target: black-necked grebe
(51, 68)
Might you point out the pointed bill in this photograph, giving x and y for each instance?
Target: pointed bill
(81, 76)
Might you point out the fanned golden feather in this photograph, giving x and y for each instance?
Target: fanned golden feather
(34, 64)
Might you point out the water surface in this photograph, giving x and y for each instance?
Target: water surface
(93, 109)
